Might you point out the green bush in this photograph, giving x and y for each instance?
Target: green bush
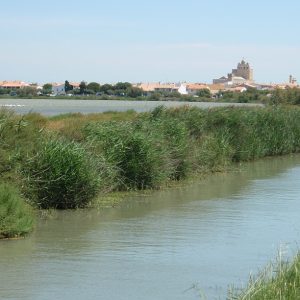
(16, 217)
(61, 176)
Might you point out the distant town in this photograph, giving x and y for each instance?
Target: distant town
(238, 80)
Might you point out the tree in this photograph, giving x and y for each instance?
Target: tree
(93, 86)
(134, 92)
(27, 91)
(122, 86)
(4, 91)
(106, 88)
(47, 88)
(68, 86)
(82, 87)
(156, 96)
(204, 93)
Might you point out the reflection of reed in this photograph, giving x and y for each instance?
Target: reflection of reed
(278, 280)
(194, 231)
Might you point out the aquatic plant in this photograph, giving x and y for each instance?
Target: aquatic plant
(60, 175)
(128, 151)
(279, 280)
(174, 137)
(19, 136)
(16, 217)
(138, 157)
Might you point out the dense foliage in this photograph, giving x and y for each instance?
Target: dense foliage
(60, 175)
(16, 217)
(125, 90)
(65, 161)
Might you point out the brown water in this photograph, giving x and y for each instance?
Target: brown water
(212, 233)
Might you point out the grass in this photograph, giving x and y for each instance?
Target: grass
(70, 125)
(136, 156)
(16, 217)
(19, 137)
(279, 281)
(66, 161)
(60, 176)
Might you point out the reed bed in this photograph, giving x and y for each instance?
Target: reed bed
(16, 217)
(61, 175)
(279, 281)
(66, 166)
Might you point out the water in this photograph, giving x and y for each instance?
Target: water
(52, 107)
(211, 233)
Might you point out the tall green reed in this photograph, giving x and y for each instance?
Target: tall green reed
(61, 175)
(16, 217)
(138, 157)
(279, 280)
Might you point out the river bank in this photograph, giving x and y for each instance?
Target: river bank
(212, 233)
(68, 161)
(279, 280)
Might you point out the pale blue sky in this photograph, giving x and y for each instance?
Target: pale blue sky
(110, 41)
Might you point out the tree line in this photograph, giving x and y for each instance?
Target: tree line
(125, 89)
(288, 96)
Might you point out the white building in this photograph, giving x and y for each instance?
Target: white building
(236, 80)
(163, 87)
(243, 70)
(182, 90)
(58, 89)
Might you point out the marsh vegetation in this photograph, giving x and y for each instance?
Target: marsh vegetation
(279, 280)
(69, 160)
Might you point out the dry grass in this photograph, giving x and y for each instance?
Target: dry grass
(70, 125)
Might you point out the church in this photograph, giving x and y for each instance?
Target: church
(242, 74)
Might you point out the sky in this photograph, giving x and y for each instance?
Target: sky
(170, 41)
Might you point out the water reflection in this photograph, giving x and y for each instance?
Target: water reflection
(212, 232)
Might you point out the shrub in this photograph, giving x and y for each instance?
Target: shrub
(16, 217)
(61, 175)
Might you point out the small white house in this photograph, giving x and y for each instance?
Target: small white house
(58, 89)
(182, 90)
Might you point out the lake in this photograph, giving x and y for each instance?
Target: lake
(51, 107)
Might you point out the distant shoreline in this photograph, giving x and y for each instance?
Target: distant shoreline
(52, 107)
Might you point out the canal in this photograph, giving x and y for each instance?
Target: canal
(208, 234)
